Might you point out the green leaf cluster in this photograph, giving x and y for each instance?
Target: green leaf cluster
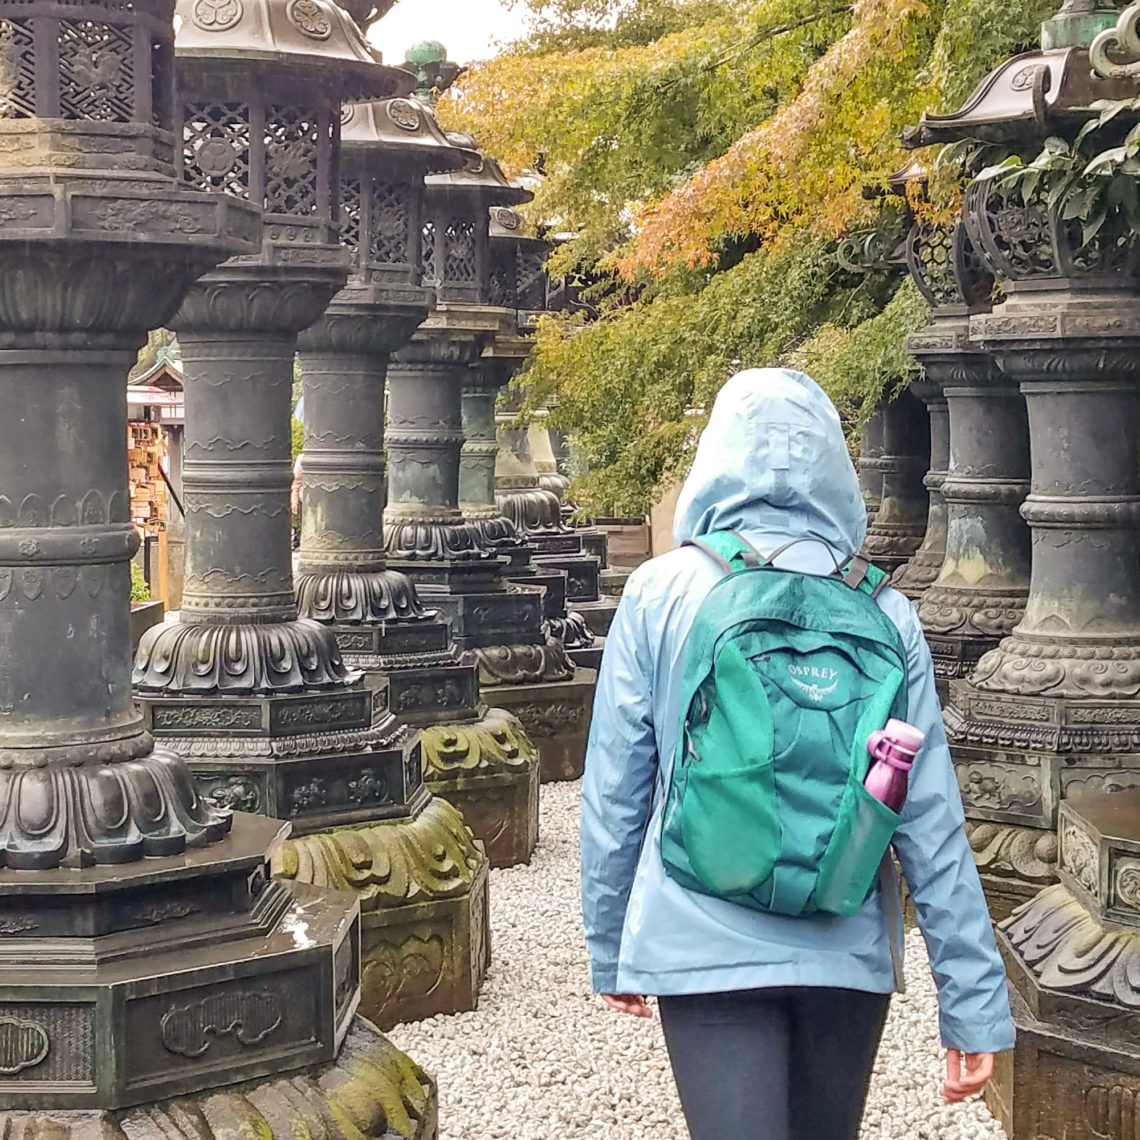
(621, 104)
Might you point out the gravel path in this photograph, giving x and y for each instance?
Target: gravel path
(541, 1059)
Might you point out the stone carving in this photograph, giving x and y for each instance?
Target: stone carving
(19, 925)
(1126, 883)
(946, 611)
(397, 972)
(246, 658)
(547, 720)
(1113, 1111)
(1060, 670)
(372, 1084)
(349, 596)
(521, 664)
(234, 792)
(388, 864)
(306, 797)
(498, 742)
(1065, 948)
(1079, 856)
(310, 18)
(994, 787)
(1021, 853)
(367, 788)
(217, 718)
(23, 1045)
(148, 807)
(164, 912)
(434, 540)
(247, 1016)
(405, 114)
(572, 630)
(217, 15)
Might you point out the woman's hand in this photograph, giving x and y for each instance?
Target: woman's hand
(632, 1004)
(960, 1085)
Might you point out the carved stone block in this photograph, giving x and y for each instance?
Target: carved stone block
(599, 615)
(489, 771)
(1057, 1084)
(428, 958)
(382, 1092)
(319, 788)
(186, 998)
(556, 717)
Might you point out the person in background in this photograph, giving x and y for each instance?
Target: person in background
(772, 1022)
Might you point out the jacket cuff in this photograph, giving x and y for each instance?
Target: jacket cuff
(603, 977)
(986, 1037)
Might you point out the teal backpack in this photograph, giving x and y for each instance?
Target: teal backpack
(786, 674)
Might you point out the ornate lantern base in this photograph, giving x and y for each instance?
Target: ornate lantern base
(385, 1094)
(169, 976)
(422, 887)
(1071, 956)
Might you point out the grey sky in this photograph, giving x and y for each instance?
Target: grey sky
(468, 28)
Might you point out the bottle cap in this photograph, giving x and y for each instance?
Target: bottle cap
(905, 736)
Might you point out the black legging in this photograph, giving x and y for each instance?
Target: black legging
(778, 1064)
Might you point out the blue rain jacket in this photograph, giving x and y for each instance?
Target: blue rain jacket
(772, 464)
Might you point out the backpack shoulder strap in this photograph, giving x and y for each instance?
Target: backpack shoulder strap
(729, 550)
(861, 574)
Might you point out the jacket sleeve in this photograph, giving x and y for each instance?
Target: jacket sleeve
(939, 868)
(617, 788)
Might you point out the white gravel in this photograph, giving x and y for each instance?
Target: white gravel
(542, 1059)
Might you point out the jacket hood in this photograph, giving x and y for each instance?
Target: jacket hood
(773, 458)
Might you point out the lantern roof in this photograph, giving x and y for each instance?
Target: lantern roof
(507, 225)
(481, 173)
(305, 39)
(402, 127)
(1024, 100)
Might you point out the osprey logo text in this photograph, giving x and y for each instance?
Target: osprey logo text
(813, 687)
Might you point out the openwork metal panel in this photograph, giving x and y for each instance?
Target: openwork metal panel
(216, 147)
(17, 70)
(96, 69)
(350, 210)
(531, 279)
(460, 262)
(292, 141)
(390, 222)
(431, 270)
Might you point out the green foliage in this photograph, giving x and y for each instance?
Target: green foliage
(298, 433)
(715, 151)
(140, 591)
(1085, 182)
(631, 386)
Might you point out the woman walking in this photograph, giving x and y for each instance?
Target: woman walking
(772, 1010)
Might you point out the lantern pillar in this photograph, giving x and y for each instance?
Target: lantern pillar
(498, 624)
(478, 759)
(258, 697)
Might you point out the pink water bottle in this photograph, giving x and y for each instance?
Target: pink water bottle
(893, 750)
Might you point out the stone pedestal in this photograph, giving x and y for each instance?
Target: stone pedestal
(422, 889)
(1071, 956)
(489, 770)
(556, 717)
(900, 521)
(371, 1088)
